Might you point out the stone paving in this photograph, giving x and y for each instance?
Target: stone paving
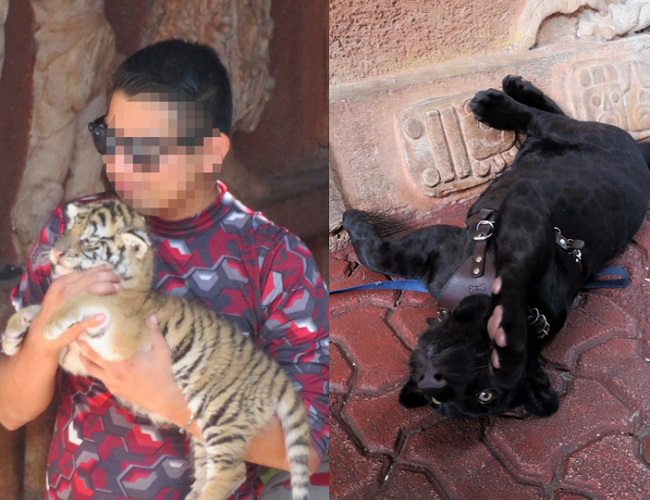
(597, 446)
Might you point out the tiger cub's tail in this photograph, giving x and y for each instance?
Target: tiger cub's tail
(293, 416)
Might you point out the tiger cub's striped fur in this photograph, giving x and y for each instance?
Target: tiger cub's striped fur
(231, 386)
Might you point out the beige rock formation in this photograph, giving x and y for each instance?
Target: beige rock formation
(75, 48)
(619, 19)
(534, 12)
(240, 32)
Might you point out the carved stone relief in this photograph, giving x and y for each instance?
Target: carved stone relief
(4, 10)
(618, 20)
(535, 11)
(614, 92)
(446, 150)
(240, 32)
(75, 47)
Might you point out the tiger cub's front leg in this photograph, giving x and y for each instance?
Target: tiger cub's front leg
(17, 328)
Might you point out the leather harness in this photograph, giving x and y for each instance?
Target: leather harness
(478, 272)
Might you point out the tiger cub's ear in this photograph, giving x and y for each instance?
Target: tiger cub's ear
(138, 243)
(71, 212)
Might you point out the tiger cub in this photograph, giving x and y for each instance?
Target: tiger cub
(231, 386)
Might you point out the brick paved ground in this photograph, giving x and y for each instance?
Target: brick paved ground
(596, 446)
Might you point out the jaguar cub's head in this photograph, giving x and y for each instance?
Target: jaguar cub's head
(106, 231)
(451, 370)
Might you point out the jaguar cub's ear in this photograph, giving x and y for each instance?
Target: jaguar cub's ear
(539, 396)
(138, 243)
(412, 397)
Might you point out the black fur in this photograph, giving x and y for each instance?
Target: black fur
(589, 179)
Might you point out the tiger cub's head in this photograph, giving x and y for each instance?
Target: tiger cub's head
(106, 231)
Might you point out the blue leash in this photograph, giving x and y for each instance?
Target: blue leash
(622, 281)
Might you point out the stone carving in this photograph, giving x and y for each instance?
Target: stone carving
(535, 11)
(620, 19)
(447, 150)
(240, 33)
(71, 74)
(617, 93)
(4, 10)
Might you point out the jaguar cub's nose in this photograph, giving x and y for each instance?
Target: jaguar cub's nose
(432, 380)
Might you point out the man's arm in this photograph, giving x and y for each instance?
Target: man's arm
(27, 382)
(27, 379)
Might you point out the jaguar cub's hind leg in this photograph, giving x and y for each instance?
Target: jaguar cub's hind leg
(500, 111)
(413, 256)
(17, 328)
(526, 93)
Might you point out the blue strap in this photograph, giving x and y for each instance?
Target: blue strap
(419, 286)
(609, 283)
(413, 285)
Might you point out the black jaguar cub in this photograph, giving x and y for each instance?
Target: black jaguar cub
(583, 180)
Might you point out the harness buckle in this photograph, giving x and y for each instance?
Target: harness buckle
(484, 234)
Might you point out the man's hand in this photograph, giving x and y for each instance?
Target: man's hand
(495, 331)
(146, 380)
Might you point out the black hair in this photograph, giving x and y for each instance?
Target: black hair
(177, 66)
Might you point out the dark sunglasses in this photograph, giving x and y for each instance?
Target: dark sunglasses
(142, 150)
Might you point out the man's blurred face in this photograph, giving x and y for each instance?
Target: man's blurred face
(161, 153)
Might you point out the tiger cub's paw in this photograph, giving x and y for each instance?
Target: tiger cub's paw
(59, 324)
(17, 328)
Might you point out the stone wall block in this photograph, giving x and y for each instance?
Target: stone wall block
(240, 32)
(75, 48)
(446, 150)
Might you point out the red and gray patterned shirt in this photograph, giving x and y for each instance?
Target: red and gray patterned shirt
(237, 263)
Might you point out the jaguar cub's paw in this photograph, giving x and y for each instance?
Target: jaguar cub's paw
(357, 223)
(17, 328)
(490, 107)
(518, 88)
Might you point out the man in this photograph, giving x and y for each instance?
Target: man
(163, 141)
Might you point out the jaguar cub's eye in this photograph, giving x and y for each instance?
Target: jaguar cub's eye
(486, 396)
